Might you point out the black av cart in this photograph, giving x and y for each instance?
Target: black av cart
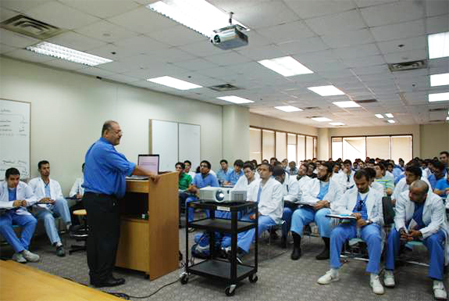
(224, 269)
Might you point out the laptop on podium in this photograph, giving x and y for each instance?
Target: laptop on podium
(149, 163)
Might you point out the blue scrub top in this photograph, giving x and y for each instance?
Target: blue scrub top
(209, 180)
(417, 216)
(12, 194)
(442, 185)
(233, 177)
(222, 175)
(363, 210)
(105, 169)
(324, 188)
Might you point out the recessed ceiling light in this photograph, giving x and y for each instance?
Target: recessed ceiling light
(286, 66)
(391, 121)
(438, 45)
(336, 123)
(199, 15)
(326, 90)
(321, 119)
(346, 104)
(288, 109)
(439, 79)
(173, 83)
(68, 54)
(389, 115)
(439, 97)
(235, 99)
(379, 116)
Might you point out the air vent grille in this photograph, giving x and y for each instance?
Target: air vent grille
(30, 27)
(407, 66)
(224, 87)
(438, 110)
(366, 100)
(310, 108)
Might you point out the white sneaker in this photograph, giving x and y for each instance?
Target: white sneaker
(330, 276)
(389, 279)
(19, 258)
(439, 291)
(30, 256)
(377, 287)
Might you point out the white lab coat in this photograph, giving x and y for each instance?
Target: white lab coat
(271, 198)
(77, 188)
(378, 187)
(342, 179)
(291, 190)
(24, 192)
(242, 184)
(434, 216)
(346, 204)
(313, 189)
(303, 182)
(38, 187)
(402, 186)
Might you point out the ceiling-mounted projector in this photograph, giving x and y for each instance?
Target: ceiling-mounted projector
(229, 37)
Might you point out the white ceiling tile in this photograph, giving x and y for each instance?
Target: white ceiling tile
(122, 78)
(303, 46)
(95, 71)
(197, 64)
(117, 67)
(288, 32)
(365, 61)
(16, 40)
(21, 5)
(261, 53)
(317, 57)
(113, 52)
(178, 36)
(437, 24)
(201, 49)
(349, 38)
(337, 23)
(63, 16)
(105, 31)
(227, 58)
(63, 64)
(372, 70)
(29, 56)
(357, 51)
(142, 20)
(405, 56)
(76, 41)
(335, 74)
(436, 7)
(171, 55)
(414, 43)
(5, 14)
(5, 48)
(392, 13)
(311, 9)
(141, 43)
(102, 9)
(398, 31)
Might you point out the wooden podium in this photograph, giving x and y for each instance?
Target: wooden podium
(149, 237)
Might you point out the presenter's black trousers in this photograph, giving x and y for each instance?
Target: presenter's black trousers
(103, 220)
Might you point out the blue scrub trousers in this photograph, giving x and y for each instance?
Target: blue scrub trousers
(245, 239)
(435, 244)
(370, 234)
(28, 224)
(191, 211)
(59, 209)
(287, 217)
(305, 215)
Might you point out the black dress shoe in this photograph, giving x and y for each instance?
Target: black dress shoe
(108, 283)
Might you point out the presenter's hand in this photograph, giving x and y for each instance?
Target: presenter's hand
(155, 178)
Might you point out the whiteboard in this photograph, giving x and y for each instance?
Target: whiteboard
(15, 137)
(190, 143)
(164, 142)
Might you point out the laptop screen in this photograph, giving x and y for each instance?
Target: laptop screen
(149, 163)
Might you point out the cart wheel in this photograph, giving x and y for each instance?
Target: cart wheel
(253, 278)
(184, 278)
(230, 290)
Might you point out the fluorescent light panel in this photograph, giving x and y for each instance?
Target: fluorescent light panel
(235, 99)
(68, 54)
(199, 15)
(326, 90)
(439, 79)
(438, 45)
(380, 116)
(389, 115)
(336, 123)
(391, 121)
(286, 66)
(288, 109)
(321, 119)
(173, 83)
(439, 97)
(346, 104)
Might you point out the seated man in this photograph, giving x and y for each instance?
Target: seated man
(365, 205)
(442, 187)
(292, 169)
(291, 195)
(316, 200)
(412, 173)
(15, 196)
(385, 180)
(201, 180)
(49, 192)
(373, 184)
(438, 173)
(184, 181)
(188, 169)
(420, 215)
(267, 192)
(234, 175)
(346, 177)
(77, 193)
(223, 172)
(302, 177)
(250, 176)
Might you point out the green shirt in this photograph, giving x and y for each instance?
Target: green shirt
(184, 181)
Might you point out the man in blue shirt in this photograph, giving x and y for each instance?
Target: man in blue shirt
(442, 187)
(234, 175)
(438, 172)
(223, 172)
(201, 180)
(104, 184)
